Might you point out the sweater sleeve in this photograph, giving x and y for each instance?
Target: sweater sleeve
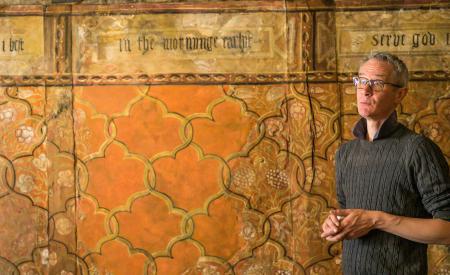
(339, 188)
(431, 173)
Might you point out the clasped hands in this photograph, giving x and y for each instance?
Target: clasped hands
(348, 224)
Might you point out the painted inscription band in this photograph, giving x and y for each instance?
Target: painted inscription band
(179, 43)
(22, 47)
(420, 37)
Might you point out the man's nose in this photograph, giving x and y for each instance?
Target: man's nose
(367, 90)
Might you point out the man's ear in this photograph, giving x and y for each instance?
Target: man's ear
(401, 93)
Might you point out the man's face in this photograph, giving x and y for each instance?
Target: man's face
(378, 105)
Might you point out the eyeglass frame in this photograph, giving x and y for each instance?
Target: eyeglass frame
(371, 83)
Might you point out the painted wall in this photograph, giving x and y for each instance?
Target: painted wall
(194, 138)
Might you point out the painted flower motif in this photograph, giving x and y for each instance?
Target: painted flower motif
(302, 214)
(24, 93)
(255, 269)
(25, 183)
(244, 176)
(64, 226)
(283, 231)
(297, 110)
(24, 134)
(319, 176)
(434, 132)
(274, 127)
(319, 128)
(277, 178)
(65, 178)
(44, 256)
(63, 272)
(283, 272)
(7, 114)
(248, 231)
(41, 162)
(53, 258)
(210, 270)
(317, 270)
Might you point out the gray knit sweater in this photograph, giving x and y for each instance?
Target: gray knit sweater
(401, 173)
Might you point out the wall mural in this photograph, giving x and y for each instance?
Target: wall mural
(177, 138)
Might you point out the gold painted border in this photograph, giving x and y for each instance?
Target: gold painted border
(200, 79)
(229, 6)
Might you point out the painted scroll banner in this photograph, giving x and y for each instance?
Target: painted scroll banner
(22, 46)
(423, 46)
(180, 43)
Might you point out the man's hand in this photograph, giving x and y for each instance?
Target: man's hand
(358, 222)
(355, 223)
(331, 225)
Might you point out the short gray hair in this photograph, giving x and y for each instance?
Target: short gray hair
(400, 69)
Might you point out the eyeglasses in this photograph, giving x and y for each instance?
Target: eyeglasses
(375, 85)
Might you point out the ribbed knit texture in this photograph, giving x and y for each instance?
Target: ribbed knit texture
(404, 174)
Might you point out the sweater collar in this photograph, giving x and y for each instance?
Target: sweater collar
(386, 129)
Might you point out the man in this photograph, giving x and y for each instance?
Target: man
(392, 184)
